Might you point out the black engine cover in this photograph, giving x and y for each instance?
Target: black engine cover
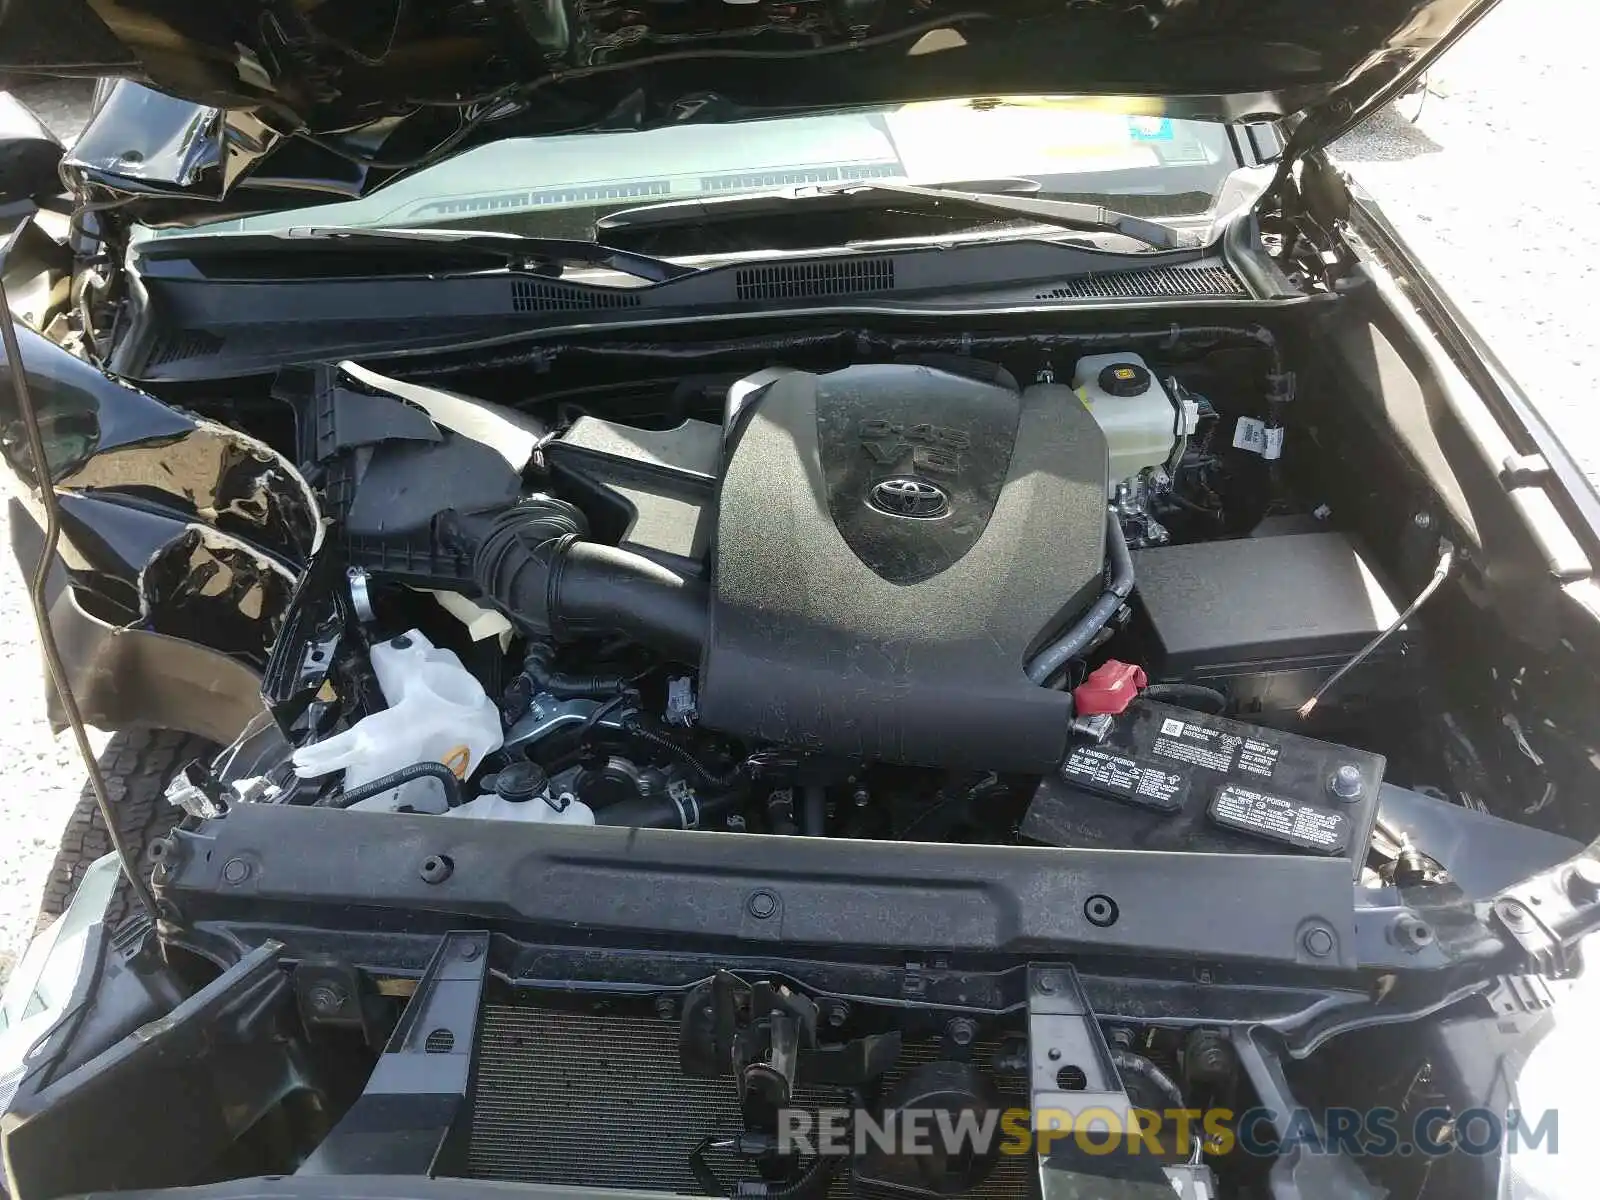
(892, 543)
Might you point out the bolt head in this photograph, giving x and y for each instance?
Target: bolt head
(235, 871)
(762, 905)
(326, 999)
(1423, 520)
(1318, 942)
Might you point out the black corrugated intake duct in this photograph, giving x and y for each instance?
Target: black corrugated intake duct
(533, 564)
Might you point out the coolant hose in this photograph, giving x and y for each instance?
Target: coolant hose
(1072, 643)
(687, 810)
(384, 783)
(533, 564)
(541, 676)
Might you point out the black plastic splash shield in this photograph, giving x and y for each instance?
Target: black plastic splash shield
(642, 886)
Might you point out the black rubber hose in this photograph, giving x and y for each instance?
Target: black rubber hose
(532, 563)
(542, 677)
(376, 787)
(1129, 1063)
(813, 811)
(1188, 695)
(1070, 644)
(684, 811)
(813, 1180)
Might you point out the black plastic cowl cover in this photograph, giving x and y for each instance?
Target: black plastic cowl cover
(893, 543)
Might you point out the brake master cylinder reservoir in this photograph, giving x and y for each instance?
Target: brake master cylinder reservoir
(438, 712)
(1141, 422)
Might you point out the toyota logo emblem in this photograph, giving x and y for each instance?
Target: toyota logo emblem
(907, 496)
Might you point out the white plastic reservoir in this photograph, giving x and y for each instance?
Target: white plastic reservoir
(438, 712)
(1141, 423)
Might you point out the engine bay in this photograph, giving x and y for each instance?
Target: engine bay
(1067, 591)
(668, 741)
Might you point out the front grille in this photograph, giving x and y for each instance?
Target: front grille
(1151, 283)
(793, 281)
(565, 1098)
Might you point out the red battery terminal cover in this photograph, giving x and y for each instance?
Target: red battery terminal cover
(1109, 689)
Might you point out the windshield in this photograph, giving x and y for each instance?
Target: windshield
(1148, 165)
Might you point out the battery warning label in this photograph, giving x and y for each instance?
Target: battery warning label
(1279, 820)
(1197, 745)
(1124, 777)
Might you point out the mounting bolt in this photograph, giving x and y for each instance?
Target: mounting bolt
(962, 1031)
(436, 868)
(1583, 883)
(1048, 983)
(235, 871)
(762, 905)
(1053, 1054)
(326, 999)
(1514, 915)
(666, 1007)
(470, 951)
(838, 1012)
(1318, 942)
(1410, 933)
(1423, 520)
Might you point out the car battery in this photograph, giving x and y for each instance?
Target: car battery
(1168, 778)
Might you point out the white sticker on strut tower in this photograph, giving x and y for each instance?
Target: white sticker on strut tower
(1254, 436)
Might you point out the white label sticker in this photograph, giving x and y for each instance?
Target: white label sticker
(1172, 728)
(1254, 436)
(1250, 434)
(1274, 446)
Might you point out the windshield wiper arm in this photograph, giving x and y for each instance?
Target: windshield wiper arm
(1068, 214)
(513, 249)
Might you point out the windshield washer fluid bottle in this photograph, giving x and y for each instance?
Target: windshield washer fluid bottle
(438, 712)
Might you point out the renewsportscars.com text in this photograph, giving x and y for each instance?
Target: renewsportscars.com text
(1375, 1132)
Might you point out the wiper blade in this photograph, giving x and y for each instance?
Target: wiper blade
(515, 250)
(1067, 214)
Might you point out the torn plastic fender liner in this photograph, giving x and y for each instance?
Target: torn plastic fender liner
(128, 677)
(102, 434)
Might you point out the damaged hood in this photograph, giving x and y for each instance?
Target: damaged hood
(286, 102)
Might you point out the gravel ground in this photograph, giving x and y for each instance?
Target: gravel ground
(1492, 185)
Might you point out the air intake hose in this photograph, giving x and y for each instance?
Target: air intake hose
(533, 564)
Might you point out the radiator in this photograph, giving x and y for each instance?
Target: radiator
(565, 1098)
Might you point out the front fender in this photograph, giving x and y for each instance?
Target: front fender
(181, 542)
